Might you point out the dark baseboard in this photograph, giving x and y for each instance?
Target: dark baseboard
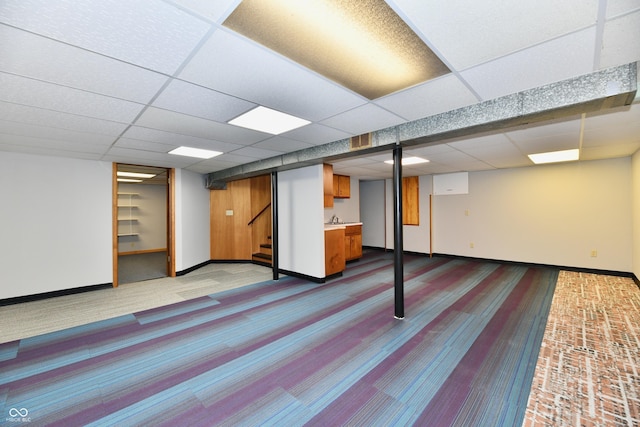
(53, 294)
(310, 278)
(194, 268)
(559, 267)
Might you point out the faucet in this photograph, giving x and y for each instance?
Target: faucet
(334, 219)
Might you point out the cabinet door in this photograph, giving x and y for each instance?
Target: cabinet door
(356, 246)
(347, 247)
(344, 186)
(327, 178)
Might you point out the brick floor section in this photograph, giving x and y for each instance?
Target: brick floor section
(587, 372)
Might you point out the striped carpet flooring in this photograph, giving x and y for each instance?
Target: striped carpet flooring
(293, 353)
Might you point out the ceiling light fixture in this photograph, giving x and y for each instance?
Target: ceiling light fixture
(135, 175)
(195, 152)
(362, 45)
(129, 180)
(555, 156)
(265, 119)
(409, 161)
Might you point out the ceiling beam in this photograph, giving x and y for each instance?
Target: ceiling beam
(600, 90)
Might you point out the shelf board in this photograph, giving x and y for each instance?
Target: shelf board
(127, 219)
(128, 194)
(127, 234)
(127, 206)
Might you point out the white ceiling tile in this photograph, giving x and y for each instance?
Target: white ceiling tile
(198, 101)
(175, 140)
(183, 124)
(148, 158)
(616, 49)
(316, 134)
(436, 96)
(149, 33)
(44, 143)
(282, 145)
(55, 134)
(255, 152)
(228, 63)
(56, 119)
(44, 59)
(363, 119)
(469, 32)
(545, 63)
(216, 11)
(609, 151)
(619, 7)
(137, 144)
(551, 130)
(48, 151)
(35, 93)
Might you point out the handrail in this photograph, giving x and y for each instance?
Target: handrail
(259, 213)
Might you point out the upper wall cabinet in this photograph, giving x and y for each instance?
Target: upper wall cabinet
(341, 186)
(327, 177)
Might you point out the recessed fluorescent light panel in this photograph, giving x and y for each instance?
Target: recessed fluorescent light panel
(409, 161)
(135, 175)
(265, 119)
(362, 45)
(195, 152)
(555, 156)
(129, 180)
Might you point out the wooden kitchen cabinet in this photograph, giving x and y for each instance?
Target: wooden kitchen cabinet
(341, 186)
(353, 242)
(327, 178)
(334, 261)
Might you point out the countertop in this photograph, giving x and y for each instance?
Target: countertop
(329, 226)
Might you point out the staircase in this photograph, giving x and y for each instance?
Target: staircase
(264, 256)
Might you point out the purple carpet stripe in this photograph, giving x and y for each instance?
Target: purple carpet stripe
(290, 352)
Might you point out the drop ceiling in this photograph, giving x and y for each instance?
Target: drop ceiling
(127, 82)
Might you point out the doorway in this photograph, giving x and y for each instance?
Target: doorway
(143, 229)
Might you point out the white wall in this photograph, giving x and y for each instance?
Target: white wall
(554, 214)
(415, 237)
(192, 220)
(372, 213)
(301, 222)
(635, 200)
(55, 224)
(150, 212)
(348, 210)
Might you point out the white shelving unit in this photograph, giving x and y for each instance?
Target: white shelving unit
(126, 220)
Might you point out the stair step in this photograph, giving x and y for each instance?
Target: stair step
(266, 245)
(262, 258)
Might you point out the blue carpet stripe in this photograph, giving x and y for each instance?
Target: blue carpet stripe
(292, 352)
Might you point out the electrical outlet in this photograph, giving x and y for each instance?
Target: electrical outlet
(471, 245)
(594, 253)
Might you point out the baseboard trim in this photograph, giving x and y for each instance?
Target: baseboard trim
(53, 294)
(194, 268)
(533, 264)
(144, 251)
(310, 278)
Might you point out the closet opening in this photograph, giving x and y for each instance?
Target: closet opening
(142, 223)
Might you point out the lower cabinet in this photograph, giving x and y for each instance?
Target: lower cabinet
(334, 261)
(353, 242)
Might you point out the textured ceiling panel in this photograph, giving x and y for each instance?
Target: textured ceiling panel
(149, 33)
(228, 63)
(39, 94)
(40, 58)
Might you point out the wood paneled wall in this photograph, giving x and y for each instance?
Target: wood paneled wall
(232, 210)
